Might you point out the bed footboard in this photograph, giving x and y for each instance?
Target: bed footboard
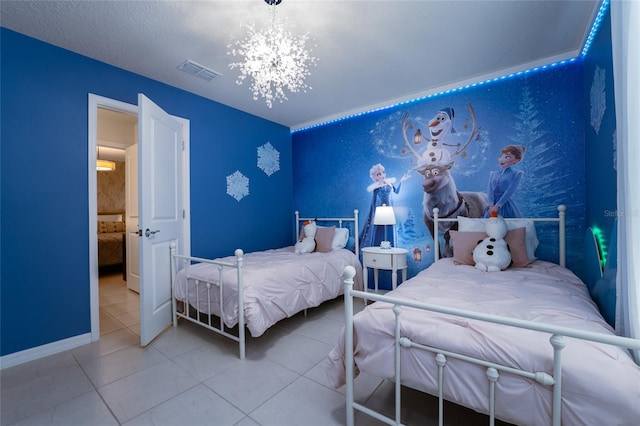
(557, 341)
(213, 288)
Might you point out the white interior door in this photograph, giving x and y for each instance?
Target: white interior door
(160, 210)
(131, 207)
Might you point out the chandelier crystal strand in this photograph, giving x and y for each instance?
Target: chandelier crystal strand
(274, 58)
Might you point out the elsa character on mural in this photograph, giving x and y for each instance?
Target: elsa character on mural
(381, 190)
(504, 183)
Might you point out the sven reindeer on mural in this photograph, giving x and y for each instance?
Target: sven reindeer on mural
(435, 165)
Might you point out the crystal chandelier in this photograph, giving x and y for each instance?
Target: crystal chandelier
(274, 58)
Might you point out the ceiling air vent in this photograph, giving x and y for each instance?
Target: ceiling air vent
(198, 70)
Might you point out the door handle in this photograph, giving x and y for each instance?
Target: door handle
(148, 233)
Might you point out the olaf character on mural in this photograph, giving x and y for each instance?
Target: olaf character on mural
(504, 182)
(435, 164)
(439, 127)
(381, 190)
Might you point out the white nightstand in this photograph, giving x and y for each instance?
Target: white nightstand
(392, 259)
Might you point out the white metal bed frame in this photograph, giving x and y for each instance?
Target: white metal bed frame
(180, 261)
(560, 220)
(557, 341)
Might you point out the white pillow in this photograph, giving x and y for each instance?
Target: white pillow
(468, 224)
(340, 238)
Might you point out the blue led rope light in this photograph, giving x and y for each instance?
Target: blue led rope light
(594, 30)
(595, 27)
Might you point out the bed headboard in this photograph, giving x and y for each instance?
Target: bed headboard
(116, 216)
(560, 220)
(339, 221)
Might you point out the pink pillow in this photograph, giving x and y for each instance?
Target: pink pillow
(464, 242)
(518, 247)
(324, 238)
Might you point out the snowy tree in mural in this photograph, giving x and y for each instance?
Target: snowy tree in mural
(407, 230)
(548, 179)
(542, 169)
(598, 98)
(237, 185)
(268, 159)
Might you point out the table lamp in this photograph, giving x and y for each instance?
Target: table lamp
(384, 216)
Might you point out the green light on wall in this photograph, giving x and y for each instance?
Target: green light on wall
(602, 246)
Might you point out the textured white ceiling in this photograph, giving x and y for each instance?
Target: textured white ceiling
(371, 53)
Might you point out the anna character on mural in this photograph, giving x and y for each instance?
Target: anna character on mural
(381, 190)
(504, 183)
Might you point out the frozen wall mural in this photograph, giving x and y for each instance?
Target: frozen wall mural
(516, 144)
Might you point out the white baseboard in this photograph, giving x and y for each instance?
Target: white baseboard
(31, 354)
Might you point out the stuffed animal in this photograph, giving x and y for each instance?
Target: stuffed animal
(492, 254)
(308, 243)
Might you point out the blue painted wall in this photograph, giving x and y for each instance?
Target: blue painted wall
(542, 110)
(600, 132)
(45, 256)
(600, 161)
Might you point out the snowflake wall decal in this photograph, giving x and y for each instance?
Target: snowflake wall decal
(237, 185)
(268, 159)
(598, 98)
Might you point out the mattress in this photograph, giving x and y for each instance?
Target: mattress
(110, 248)
(601, 383)
(277, 284)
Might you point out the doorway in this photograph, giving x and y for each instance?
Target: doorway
(119, 301)
(97, 103)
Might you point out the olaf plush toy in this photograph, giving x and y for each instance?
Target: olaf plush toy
(492, 254)
(308, 243)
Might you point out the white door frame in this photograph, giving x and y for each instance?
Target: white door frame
(131, 202)
(95, 102)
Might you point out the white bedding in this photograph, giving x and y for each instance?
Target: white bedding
(601, 383)
(277, 284)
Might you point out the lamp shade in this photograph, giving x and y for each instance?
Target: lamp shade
(384, 215)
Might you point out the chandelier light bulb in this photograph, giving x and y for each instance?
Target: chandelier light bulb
(274, 59)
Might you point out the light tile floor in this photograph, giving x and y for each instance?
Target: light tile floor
(191, 376)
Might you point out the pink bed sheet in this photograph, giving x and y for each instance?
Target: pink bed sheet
(601, 383)
(277, 284)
